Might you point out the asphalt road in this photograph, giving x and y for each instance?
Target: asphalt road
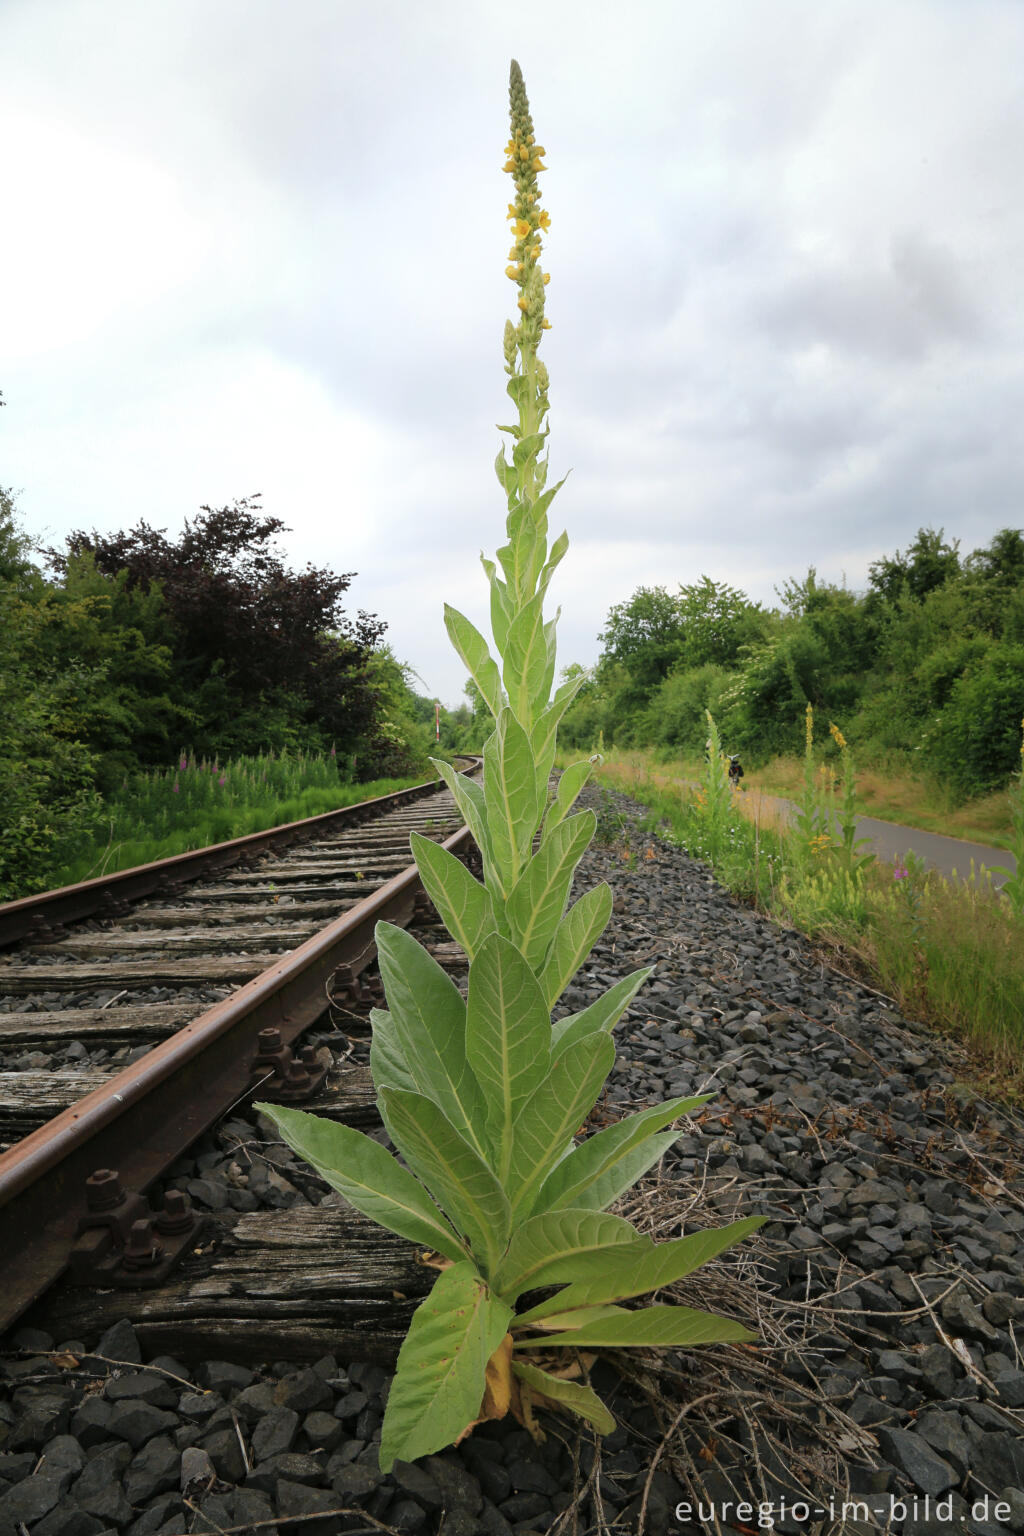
(952, 856)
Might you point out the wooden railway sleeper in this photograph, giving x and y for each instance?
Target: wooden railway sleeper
(122, 1242)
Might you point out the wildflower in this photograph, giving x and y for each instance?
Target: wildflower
(837, 736)
(176, 788)
(222, 779)
(900, 872)
(183, 765)
(808, 729)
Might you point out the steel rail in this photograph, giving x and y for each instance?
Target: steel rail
(31, 916)
(150, 1113)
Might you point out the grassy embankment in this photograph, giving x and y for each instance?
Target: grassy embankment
(949, 955)
(889, 796)
(159, 814)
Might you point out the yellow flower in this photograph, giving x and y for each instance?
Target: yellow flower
(837, 736)
(537, 164)
(512, 214)
(521, 228)
(547, 279)
(524, 153)
(534, 252)
(543, 219)
(545, 325)
(509, 165)
(523, 303)
(513, 272)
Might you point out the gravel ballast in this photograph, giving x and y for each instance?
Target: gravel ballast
(891, 1261)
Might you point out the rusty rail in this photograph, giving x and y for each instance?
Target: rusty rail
(151, 1112)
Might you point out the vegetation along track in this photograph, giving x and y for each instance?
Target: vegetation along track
(180, 991)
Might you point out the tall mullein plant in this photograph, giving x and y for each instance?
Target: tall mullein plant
(483, 1095)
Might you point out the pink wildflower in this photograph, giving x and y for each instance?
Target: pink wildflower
(175, 788)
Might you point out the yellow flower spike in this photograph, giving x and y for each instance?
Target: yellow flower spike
(837, 736)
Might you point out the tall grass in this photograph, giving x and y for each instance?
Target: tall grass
(889, 793)
(159, 814)
(950, 955)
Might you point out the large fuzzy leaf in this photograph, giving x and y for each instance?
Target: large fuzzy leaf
(429, 1013)
(527, 662)
(464, 904)
(554, 560)
(439, 1383)
(388, 1065)
(561, 1245)
(508, 1035)
(469, 798)
(578, 932)
(510, 795)
(654, 1326)
(602, 1015)
(554, 1112)
(457, 1177)
(537, 900)
(572, 1181)
(569, 785)
(501, 613)
(663, 1265)
(544, 732)
(575, 1395)
(368, 1177)
(472, 647)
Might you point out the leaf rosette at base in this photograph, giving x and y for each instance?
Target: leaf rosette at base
(483, 1096)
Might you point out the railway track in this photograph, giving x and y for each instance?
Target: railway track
(180, 990)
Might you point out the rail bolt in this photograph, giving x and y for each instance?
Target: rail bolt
(104, 1190)
(176, 1215)
(143, 1250)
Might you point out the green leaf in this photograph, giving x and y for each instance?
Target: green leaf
(554, 560)
(472, 647)
(429, 1013)
(657, 1326)
(569, 785)
(469, 797)
(368, 1177)
(603, 1014)
(596, 1160)
(508, 1034)
(527, 447)
(578, 932)
(560, 1245)
(388, 1065)
(510, 795)
(439, 1385)
(464, 904)
(501, 611)
(664, 1264)
(554, 1112)
(543, 735)
(527, 663)
(537, 900)
(457, 1177)
(575, 1395)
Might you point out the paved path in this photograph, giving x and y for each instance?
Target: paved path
(949, 855)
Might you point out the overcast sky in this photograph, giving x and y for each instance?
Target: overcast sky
(259, 245)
